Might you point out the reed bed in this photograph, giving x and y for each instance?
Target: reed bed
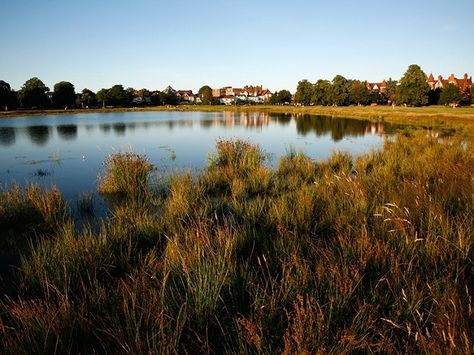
(366, 255)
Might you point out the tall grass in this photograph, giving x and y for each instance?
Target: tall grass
(374, 254)
(126, 175)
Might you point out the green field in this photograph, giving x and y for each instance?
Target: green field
(368, 255)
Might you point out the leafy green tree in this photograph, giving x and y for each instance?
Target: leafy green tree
(103, 96)
(274, 99)
(64, 94)
(281, 97)
(33, 94)
(205, 93)
(390, 94)
(450, 95)
(434, 96)
(284, 97)
(7, 96)
(304, 92)
(88, 98)
(472, 94)
(413, 89)
(339, 93)
(169, 98)
(321, 91)
(118, 96)
(359, 94)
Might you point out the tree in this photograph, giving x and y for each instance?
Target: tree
(304, 92)
(390, 94)
(450, 95)
(7, 96)
(339, 93)
(64, 94)
(472, 94)
(359, 94)
(413, 89)
(281, 97)
(117, 96)
(321, 93)
(284, 97)
(88, 98)
(33, 94)
(103, 96)
(205, 93)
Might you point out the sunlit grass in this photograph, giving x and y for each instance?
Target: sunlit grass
(370, 255)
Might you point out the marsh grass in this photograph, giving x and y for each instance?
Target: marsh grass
(126, 175)
(366, 255)
(29, 213)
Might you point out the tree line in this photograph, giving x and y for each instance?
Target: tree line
(412, 90)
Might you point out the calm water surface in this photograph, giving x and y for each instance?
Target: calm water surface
(68, 150)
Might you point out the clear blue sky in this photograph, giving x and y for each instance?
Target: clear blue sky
(188, 43)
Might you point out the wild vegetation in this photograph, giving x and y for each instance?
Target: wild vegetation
(373, 254)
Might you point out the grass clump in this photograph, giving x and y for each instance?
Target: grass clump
(372, 254)
(30, 212)
(126, 174)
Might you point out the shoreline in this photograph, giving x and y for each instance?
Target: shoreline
(461, 118)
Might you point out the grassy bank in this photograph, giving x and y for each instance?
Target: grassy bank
(461, 118)
(371, 255)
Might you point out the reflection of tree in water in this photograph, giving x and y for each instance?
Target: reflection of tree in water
(39, 135)
(119, 128)
(283, 119)
(337, 127)
(67, 132)
(7, 136)
(105, 127)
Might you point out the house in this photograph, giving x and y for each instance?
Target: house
(186, 95)
(229, 95)
(380, 87)
(464, 84)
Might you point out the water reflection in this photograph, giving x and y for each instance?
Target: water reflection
(338, 128)
(7, 136)
(67, 132)
(39, 135)
(30, 146)
(119, 128)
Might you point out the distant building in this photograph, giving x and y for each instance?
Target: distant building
(229, 95)
(464, 84)
(186, 95)
(380, 87)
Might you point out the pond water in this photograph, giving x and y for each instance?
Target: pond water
(68, 150)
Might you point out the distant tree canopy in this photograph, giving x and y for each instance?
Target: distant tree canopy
(115, 96)
(450, 95)
(413, 89)
(359, 94)
(7, 96)
(304, 92)
(33, 94)
(472, 94)
(390, 93)
(339, 93)
(320, 93)
(281, 97)
(64, 94)
(88, 98)
(205, 93)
